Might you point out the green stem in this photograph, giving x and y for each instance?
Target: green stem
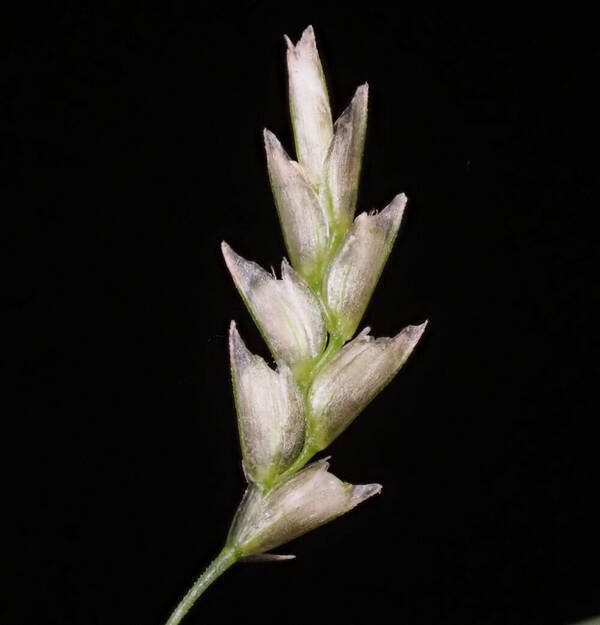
(310, 447)
(306, 454)
(333, 347)
(217, 567)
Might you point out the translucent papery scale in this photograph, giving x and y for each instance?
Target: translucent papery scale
(286, 310)
(352, 378)
(354, 271)
(310, 498)
(270, 411)
(302, 211)
(309, 104)
(344, 159)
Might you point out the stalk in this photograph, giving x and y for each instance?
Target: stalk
(215, 569)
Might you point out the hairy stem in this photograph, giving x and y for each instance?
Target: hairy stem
(216, 568)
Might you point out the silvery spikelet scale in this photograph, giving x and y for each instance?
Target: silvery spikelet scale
(323, 377)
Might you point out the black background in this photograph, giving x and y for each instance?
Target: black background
(133, 138)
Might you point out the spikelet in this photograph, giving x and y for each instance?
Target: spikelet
(323, 377)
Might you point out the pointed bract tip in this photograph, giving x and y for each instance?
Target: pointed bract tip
(236, 342)
(362, 91)
(307, 39)
(396, 207)
(272, 143)
(416, 331)
(308, 35)
(399, 200)
(228, 254)
(322, 464)
(364, 491)
(225, 248)
(233, 260)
